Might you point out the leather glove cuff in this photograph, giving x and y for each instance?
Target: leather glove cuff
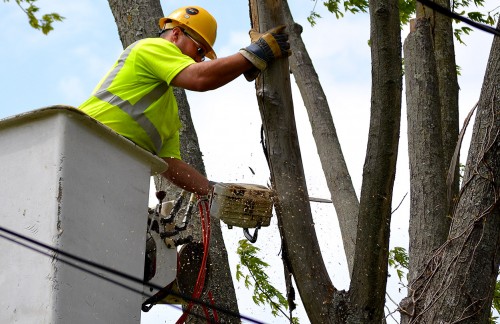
(255, 59)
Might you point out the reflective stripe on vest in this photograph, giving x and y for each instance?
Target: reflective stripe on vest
(136, 111)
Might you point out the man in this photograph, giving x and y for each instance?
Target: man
(136, 99)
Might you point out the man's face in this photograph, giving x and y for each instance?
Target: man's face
(199, 49)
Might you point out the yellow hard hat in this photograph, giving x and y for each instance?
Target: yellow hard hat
(194, 19)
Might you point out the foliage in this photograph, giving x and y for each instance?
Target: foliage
(489, 18)
(45, 23)
(407, 9)
(352, 6)
(312, 18)
(263, 291)
(496, 302)
(398, 259)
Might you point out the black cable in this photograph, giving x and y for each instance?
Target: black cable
(264, 146)
(110, 270)
(89, 271)
(92, 273)
(74, 265)
(77, 258)
(447, 12)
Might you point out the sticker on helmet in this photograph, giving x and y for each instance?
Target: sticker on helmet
(192, 11)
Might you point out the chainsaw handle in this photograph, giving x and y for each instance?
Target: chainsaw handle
(251, 238)
(187, 215)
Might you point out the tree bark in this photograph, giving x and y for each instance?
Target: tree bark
(287, 175)
(428, 208)
(440, 43)
(330, 153)
(459, 279)
(137, 19)
(368, 284)
(444, 53)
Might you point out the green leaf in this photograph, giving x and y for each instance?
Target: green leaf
(496, 297)
(263, 291)
(312, 18)
(400, 274)
(477, 16)
(406, 11)
(44, 23)
(398, 259)
(400, 256)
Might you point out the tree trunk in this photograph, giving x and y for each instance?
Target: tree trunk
(428, 228)
(287, 175)
(369, 278)
(135, 20)
(332, 160)
(459, 279)
(444, 53)
(431, 211)
(219, 281)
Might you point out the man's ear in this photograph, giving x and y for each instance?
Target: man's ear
(176, 31)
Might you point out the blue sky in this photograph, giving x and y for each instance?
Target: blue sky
(64, 66)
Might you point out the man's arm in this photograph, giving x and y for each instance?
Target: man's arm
(186, 177)
(211, 75)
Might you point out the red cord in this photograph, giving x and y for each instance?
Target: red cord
(207, 315)
(204, 208)
(216, 316)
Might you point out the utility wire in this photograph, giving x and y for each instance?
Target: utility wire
(447, 12)
(74, 265)
(107, 269)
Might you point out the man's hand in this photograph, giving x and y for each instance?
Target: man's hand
(267, 47)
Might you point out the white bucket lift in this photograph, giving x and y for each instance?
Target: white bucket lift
(73, 184)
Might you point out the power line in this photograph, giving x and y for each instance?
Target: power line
(447, 12)
(74, 265)
(118, 273)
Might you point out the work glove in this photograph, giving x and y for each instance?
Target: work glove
(265, 48)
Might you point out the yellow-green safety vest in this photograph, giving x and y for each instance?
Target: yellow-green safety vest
(135, 99)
